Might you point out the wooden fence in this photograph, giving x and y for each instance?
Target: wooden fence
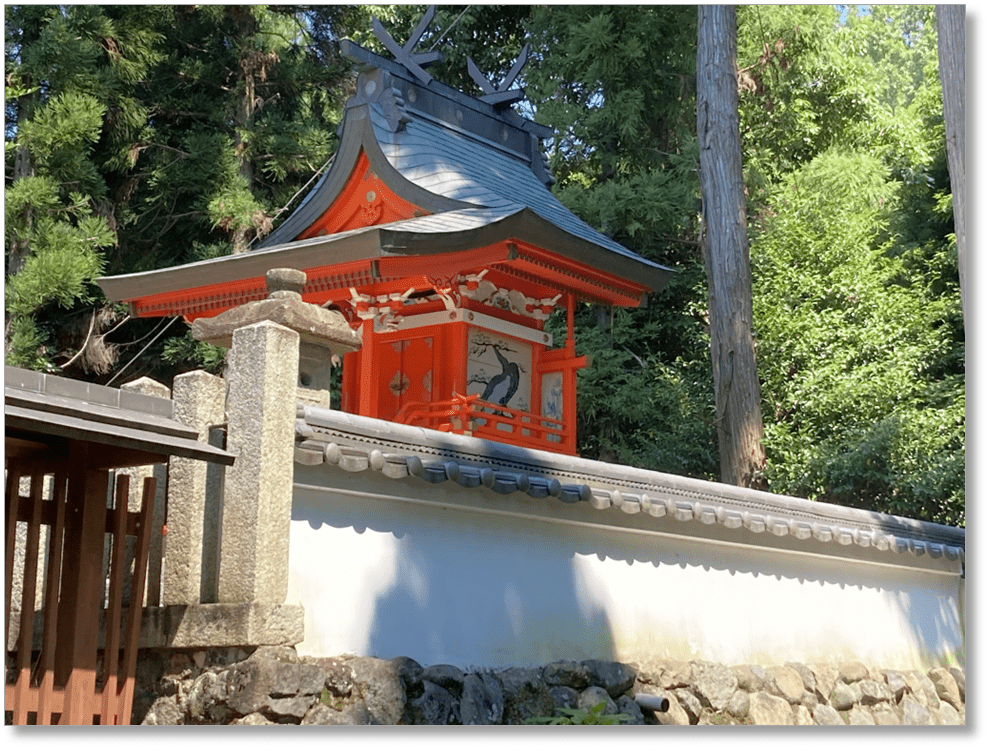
(68, 680)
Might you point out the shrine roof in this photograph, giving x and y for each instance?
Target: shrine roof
(665, 503)
(436, 148)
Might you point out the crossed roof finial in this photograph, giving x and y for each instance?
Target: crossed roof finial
(414, 62)
(501, 96)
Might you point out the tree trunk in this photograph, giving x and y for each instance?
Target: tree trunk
(726, 253)
(951, 62)
(247, 27)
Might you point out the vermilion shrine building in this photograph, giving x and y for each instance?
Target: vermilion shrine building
(434, 233)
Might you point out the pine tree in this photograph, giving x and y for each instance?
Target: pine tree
(68, 70)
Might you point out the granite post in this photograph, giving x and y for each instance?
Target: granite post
(262, 373)
(152, 585)
(198, 399)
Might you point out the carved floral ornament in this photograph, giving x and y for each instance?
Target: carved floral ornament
(386, 309)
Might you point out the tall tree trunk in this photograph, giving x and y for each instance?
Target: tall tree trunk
(726, 254)
(251, 64)
(951, 62)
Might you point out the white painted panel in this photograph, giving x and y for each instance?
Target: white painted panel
(417, 575)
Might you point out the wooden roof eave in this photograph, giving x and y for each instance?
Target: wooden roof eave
(388, 240)
(528, 226)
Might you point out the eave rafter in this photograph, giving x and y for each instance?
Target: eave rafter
(331, 283)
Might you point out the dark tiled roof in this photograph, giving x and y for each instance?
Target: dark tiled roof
(61, 407)
(460, 168)
(353, 443)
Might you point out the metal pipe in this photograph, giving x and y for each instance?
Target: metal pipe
(658, 703)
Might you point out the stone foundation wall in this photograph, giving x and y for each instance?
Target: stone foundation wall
(276, 685)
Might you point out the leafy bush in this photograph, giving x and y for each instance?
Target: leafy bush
(569, 716)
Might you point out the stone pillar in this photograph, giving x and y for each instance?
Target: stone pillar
(198, 399)
(152, 585)
(263, 367)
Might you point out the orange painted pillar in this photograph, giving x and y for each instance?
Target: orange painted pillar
(368, 388)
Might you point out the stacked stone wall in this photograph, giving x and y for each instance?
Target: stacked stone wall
(274, 685)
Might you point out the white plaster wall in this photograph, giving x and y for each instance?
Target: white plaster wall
(446, 584)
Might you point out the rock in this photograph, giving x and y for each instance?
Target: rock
(665, 674)
(614, 677)
(945, 686)
(923, 689)
(710, 717)
(481, 703)
(164, 711)
(806, 675)
(594, 696)
(915, 714)
(810, 700)
(874, 692)
(786, 683)
(948, 715)
(526, 695)
(352, 714)
(714, 683)
(289, 709)
(567, 674)
(852, 672)
(675, 715)
(382, 688)
(254, 719)
(274, 683)
(435, 707)
(959, 680)
(738, 705)
(842, 697)
(747, 679)
(449, 677)
(564, 696)
(825, 715)
(207, 700)
(690, 703)
(885, 715)
(410, 672)
(802, 716)
(629, 707)
(896, 682)
(826, 677)
(768, 710)
(338, 678)
(859, 716)
(282, 653)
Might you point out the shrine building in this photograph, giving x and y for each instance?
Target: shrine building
(435, 235)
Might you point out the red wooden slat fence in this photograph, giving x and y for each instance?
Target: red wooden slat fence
(67, 682)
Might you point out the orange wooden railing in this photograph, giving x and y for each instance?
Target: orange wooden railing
(468, 414)
(63, 683)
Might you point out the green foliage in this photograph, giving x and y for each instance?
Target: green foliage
(193, 354)
(569, 716)
(616, 82)
(861, 403)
